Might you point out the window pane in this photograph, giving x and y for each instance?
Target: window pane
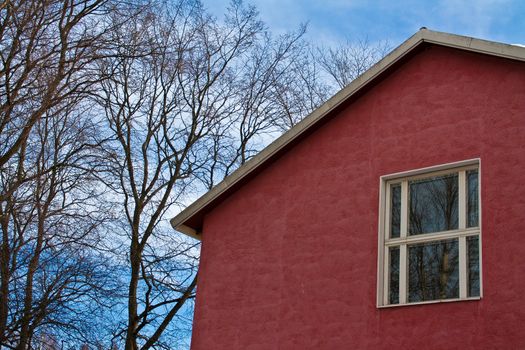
(472, 198)
(393, 295)
(433, 204)
(473, 266)
(395, 213)
(433, 271)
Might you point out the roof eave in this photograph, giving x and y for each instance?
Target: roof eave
(188, 231)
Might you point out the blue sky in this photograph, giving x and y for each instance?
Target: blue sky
(332, 21)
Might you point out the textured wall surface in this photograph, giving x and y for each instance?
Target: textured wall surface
(289, 261)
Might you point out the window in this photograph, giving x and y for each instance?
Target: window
(429, 235)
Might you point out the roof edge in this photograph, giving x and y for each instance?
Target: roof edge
(423, 35)
(188, 231)
(487, 47)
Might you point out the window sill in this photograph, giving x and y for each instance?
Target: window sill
(428, 302)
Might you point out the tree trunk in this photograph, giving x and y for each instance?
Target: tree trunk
(135, 256)
(4, 277)
(25, 329)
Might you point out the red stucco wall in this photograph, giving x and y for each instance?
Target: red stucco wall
(289, 261)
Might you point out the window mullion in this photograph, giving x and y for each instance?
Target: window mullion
(403, 266)
(388, 214)
(462, 247)
(386, 250)
(432, 237)
(403, 227)
(386, 277)
(462, 240)
(462, 199)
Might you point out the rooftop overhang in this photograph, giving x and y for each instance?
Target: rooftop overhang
(190, 220)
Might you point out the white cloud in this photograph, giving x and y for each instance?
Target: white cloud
(476, 17)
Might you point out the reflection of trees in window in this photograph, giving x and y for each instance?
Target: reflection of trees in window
(472, 198)
(394, 276)
(433, 271)
(473, 266)
(433, 204)
(395, 217)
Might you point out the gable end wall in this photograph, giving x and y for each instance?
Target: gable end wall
(289, 260)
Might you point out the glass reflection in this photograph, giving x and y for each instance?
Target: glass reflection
(472, 198)
(395, 215)
(433, 204)
(433, 271)
(473, 266)
(393, 295)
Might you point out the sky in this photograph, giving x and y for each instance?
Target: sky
(394, 21)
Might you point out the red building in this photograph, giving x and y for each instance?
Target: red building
(390, 218)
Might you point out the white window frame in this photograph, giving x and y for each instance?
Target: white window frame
(384, 242)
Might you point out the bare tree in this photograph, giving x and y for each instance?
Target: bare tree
(46, 52)
(302, 89)
(346, 62)
(272, 89)
(50, 224)
(168, 89)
